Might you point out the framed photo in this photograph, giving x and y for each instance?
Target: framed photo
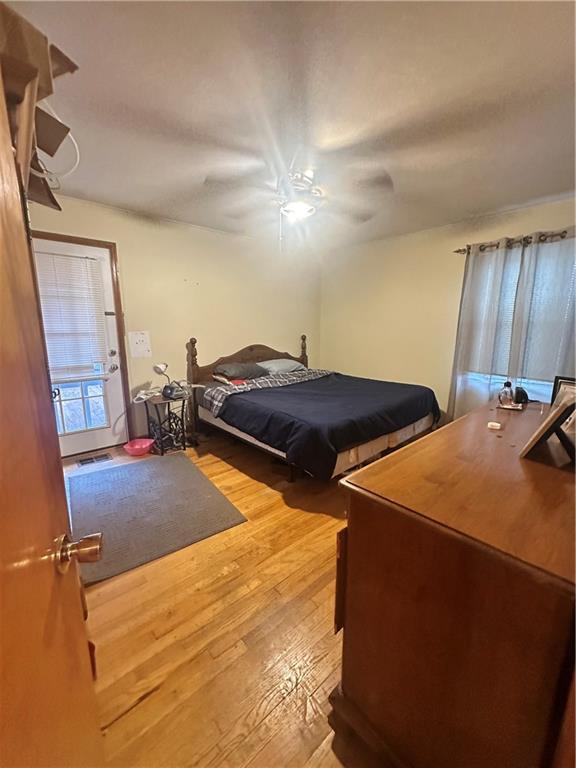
(559, 422)
(562, 385)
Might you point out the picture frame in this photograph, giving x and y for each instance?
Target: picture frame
(561, 411)
(562, 383)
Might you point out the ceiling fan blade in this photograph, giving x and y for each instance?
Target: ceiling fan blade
(351, 212)
(352, 178)
(252, 210)
(196, 202)
(260, 179)
(439, 125)
(377, 181)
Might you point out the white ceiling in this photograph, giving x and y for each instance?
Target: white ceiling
(468, 106)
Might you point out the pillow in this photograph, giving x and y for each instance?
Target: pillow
(282, 366)
(240, 370)
(223, 380)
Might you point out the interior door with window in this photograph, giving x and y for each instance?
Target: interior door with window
(76, 289)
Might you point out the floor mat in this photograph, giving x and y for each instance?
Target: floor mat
(146, 509)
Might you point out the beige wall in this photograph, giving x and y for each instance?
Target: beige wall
(179, 281)
(386, 309)
(389, 309)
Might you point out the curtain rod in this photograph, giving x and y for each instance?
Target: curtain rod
(514, 241)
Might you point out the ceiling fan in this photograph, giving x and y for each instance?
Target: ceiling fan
(295, 195)
(347, 179)
(299, 198)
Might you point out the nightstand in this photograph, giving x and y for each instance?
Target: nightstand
(166, 423)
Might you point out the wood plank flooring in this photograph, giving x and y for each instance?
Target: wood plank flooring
(223, 653)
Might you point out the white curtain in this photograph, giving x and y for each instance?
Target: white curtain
(516, 318)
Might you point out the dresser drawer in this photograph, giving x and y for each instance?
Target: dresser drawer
(454, 654)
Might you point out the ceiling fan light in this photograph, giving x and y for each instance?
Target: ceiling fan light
(296, 210)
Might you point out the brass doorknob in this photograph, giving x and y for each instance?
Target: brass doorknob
(88, 549)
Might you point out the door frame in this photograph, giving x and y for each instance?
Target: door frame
(120, 325)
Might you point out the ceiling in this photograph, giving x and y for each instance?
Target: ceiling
(467, 106)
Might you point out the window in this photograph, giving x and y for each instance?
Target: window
(516, 319)
(72, 301)
(80, 405)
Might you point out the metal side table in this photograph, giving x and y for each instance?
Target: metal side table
(166, 423)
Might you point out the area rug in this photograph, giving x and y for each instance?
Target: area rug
(146, 509)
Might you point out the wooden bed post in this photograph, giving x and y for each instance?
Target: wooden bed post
(191, 371)
(303, 352)
(192, 360)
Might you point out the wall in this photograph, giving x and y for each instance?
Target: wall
(386, 309)
(179, 281)
(389, 309)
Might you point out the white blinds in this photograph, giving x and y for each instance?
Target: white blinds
(72, 300)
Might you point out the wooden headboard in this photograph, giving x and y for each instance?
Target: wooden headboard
(255, 353)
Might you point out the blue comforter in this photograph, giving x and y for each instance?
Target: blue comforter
(313, 421)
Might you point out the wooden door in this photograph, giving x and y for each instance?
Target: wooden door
(47, 700)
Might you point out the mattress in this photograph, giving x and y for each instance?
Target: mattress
(312, 422)
(346, 460)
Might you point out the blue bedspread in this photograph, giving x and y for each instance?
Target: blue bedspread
(313, 421)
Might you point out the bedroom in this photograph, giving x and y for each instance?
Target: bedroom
(223, 651)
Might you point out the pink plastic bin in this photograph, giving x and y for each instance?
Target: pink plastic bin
(139, 446)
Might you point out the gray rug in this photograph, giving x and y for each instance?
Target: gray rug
(145, 510)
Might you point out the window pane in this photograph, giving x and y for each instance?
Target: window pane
(59, 426)
(96, 412)
(70, 391)
(72, 300)
(93, 388)
(537, 390)
(73, 411)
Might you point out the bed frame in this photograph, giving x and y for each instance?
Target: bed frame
(256, 353)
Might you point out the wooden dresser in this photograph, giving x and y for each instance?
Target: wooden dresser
(456, 596)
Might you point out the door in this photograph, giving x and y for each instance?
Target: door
(75, 283)
(47, 700)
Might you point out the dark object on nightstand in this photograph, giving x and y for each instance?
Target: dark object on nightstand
(521, 396)
(173, 391)
(166, 423)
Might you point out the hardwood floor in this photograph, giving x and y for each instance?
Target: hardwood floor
(223, 653)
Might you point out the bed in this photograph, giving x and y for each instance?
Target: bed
(322, 422)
